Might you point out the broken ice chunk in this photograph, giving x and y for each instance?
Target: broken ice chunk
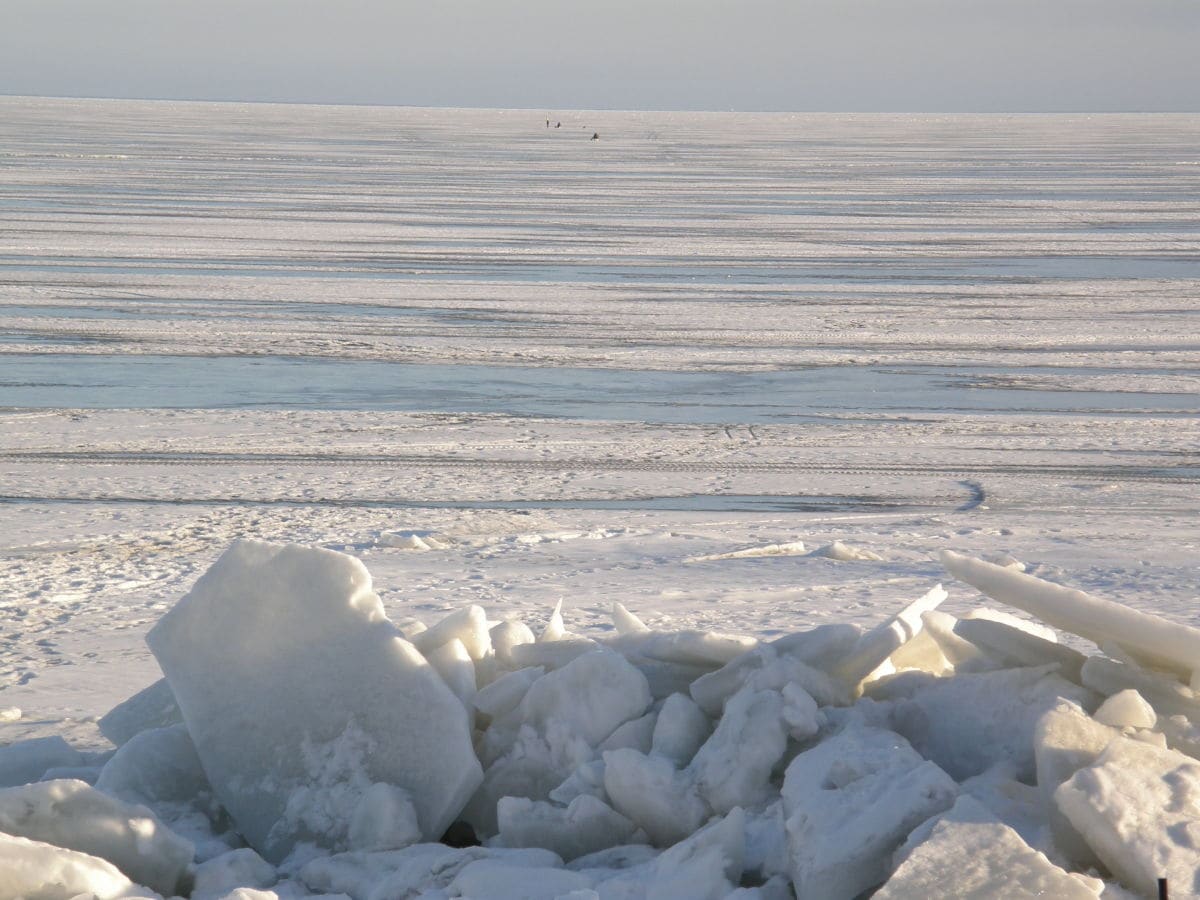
(849, 802)
(468, 625)
(1018, 647)
(151, 707)
(549, 654)
(626, 622)
(76, 816)
(158, 765)
(921, 654)
(499, 879)
(1138, 808)
(960, 653)
(457, 669)
(734, 765)
(968, 723)
(970, 853)
(1153, 639)
(586, 779)
(765, 668)
(589, 697)
(563, 717)
(1126, 709)
(423, 870)
(667, 678)
(216, 878)
(766, 853)
(27, 761)
(845, 553)
(34, 870)
(1168, 696)
(873, 648)
(636, 733)
(706, 866)
(800, 712)
(556, 629)
(1018, 805)
(383, 819)
(655, 795)
(299, 694)
(507, 635)
(159, 768)
(680, 730)
(1066, 740)
(822, 647)
(686, 648)
(585, 826)
(504, 694)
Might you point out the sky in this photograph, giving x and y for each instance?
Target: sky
(792, 55)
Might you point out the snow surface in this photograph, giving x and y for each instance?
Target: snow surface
(886, 312)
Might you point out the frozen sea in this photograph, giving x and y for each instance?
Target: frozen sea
(590, 367)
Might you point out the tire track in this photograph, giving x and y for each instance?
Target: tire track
(1167, 474)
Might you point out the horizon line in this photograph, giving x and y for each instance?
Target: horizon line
(542, 110)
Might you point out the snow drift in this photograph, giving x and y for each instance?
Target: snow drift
(301, 744)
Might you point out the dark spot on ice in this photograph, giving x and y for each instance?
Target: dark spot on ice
(459, 835)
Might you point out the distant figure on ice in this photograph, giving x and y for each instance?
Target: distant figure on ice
(558, 124)
(547, 123)
(595, 135)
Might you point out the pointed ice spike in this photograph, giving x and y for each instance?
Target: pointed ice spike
(555, 629)
(625, 621)
(1149, 639)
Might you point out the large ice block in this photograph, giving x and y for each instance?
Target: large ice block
(300, 695)
(78, 817)
(970, 853)
(849, 802)
(1138, 808)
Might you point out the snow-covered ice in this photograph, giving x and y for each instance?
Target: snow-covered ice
(717, 391)
(76, 816)
(1136, 806)
(967, 852)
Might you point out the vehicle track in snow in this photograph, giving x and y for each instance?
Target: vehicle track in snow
(1186, 473)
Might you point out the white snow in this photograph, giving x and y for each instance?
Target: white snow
(636, 387)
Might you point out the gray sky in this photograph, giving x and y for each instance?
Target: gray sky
(851, 55)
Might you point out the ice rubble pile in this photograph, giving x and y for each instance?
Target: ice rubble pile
(303, 744)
